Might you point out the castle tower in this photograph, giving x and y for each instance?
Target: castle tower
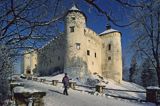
(111, 54)
(29, 62)
(75, 55)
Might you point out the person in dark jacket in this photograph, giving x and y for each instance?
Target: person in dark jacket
(65, 82)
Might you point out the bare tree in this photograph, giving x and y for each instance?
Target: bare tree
(23, 24)
(148, 76)
(111, 16)
(133, 69)
(6, 69)
(147, 26)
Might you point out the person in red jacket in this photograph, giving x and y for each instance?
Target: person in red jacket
(65, 82)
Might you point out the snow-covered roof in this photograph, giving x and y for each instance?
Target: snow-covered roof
(108, 31)
(24, 90)
(74, 8)
(153, 87)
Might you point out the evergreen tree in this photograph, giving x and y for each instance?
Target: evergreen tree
(133, 69)
(148, 75)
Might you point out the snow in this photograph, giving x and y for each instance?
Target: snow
(24, 90)
(123, 86)
(55, 97)
(83, 96)
(108, 31)
(57, 77)
(108, 83)
(74, 8)
(153, 87)
(16, 83)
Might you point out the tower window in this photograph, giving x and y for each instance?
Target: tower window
(109, 47)
(72, 29)
(78, 46)
(73, 18)
(88, 52)
(95, 55)
(109, 58)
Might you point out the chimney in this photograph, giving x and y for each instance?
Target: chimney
(108, 27)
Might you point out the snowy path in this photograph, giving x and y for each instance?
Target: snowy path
(55, 97)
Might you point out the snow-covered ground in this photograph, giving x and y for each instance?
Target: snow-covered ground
(112, 85)
(55, 97)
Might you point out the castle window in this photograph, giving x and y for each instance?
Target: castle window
(72, 29)
(73, 18)
(78, 46)
(95, 55)
(109, 47)
(88, 52)
(109, 58)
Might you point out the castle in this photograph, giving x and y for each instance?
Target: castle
(79, 51)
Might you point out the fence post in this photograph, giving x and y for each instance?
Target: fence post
(12, 86)
(72, 84)
(54, 82)
(153, 94)
(100, 88)
(34, 78)
(42, 80)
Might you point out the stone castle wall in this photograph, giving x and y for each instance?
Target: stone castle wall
(51, 56)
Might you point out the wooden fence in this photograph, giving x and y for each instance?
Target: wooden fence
(93, 89)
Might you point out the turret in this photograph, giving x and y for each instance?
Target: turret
(75, 23)
(29, 62)
(111, 54)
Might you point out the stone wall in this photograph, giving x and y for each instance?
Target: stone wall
(51, 56)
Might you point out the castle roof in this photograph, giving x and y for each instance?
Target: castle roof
(108, 31)
(74, 8)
